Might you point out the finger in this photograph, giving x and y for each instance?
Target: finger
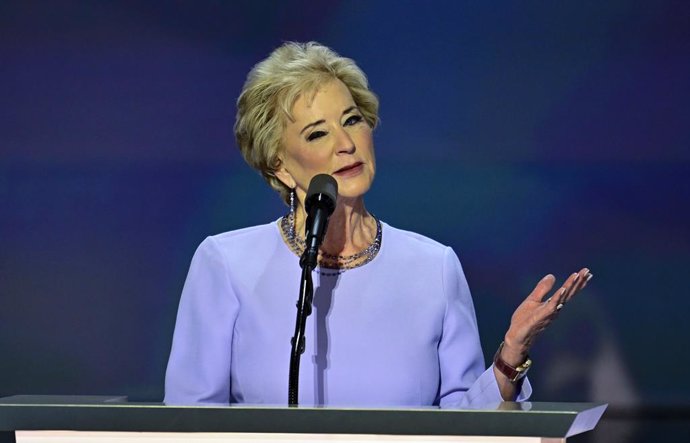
(542, 288)
(588, 277)
(585, 279)
(582, 278)
(557, 300)
(571, 286)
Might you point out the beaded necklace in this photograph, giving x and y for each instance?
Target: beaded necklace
(339, 263)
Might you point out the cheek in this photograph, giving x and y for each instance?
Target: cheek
(307, 162)
(366, 143)
(312, 159)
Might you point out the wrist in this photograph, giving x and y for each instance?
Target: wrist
(513, 372)
(513, 353)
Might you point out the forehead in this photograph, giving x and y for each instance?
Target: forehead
(322, 101)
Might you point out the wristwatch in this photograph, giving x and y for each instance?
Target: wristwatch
(514, 374)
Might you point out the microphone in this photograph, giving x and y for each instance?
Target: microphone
(319, 205)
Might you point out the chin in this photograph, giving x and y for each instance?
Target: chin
(354, 186)
(353, 192)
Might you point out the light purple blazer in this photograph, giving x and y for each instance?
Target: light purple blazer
(398, 331)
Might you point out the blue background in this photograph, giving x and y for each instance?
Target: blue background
(533, 137)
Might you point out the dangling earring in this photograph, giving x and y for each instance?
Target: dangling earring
(292, 213)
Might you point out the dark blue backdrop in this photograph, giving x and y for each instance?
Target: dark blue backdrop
(533, 137)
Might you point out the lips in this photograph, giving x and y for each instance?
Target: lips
(349, 169)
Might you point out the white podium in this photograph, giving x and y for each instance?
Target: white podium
(112, 419)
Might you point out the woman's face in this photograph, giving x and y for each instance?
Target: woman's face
(328, 135)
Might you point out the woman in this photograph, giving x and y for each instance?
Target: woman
(393, 323)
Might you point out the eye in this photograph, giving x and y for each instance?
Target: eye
(314, 135)
(353, 120)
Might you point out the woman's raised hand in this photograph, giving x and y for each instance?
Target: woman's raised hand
(537, 312)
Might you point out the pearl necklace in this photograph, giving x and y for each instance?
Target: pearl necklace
(341, 263)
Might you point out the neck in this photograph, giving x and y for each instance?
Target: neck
(350, 228)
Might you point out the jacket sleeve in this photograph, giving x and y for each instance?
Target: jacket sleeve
(199, 366)
(464, 380)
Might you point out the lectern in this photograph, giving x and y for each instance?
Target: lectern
(112, 419)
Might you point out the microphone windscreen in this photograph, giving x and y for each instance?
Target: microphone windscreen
(322, 189)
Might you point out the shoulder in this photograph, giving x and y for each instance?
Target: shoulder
(412, 243)
(235, 244)
(422, 259)
(244, 235)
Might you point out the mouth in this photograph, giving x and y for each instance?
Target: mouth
(351, 169)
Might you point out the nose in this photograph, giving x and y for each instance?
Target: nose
(345, 143)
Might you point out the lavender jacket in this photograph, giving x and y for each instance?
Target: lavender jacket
(398, 331)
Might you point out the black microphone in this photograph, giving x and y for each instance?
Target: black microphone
(319, 204)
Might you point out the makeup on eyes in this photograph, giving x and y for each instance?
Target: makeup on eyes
(350, 120)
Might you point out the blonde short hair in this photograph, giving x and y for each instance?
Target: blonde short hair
(272, 87)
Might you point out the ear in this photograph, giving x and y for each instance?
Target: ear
(285, 177)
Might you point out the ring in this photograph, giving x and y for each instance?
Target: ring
(559, 306)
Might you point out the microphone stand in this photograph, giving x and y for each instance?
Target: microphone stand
(304, 303)
(319, 205)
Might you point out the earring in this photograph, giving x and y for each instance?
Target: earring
(292, 213)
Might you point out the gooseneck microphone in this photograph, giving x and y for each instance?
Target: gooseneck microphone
(319, 205)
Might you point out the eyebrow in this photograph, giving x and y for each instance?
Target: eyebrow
(318, 122)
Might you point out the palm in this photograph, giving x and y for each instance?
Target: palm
(537, 311)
